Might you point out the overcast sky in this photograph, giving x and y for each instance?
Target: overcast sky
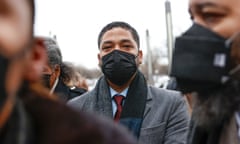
(78, 22)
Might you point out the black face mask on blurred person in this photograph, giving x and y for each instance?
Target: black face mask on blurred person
(46, 80)
(201, 60)
(119, 66)
(4, 65)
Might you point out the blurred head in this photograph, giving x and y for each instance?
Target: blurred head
(52, 68)
(221, 16)
(70, 72)
(17, 46)
(20, 58)
(119, 40)
(73, 78)
(80, 81)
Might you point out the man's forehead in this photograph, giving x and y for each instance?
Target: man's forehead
(226, 5)
(213, 2)
(6, 5)
(119, 33)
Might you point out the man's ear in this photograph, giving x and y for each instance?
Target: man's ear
(99, 60)
(140, 56)
(37, 59)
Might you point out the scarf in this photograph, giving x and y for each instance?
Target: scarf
(133, 109)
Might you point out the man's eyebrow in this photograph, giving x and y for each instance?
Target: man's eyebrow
(107, 42)
(126, 40)
(202, 5)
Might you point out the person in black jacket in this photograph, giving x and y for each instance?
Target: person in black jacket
(56, 73)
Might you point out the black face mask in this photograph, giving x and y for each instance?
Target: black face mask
(46, 80)
(4, 65)
(201, 60)
(119, 66)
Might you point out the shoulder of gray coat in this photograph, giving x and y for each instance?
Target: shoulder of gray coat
(78, 101)
(161, 93)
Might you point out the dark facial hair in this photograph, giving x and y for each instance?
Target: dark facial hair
(218, 106)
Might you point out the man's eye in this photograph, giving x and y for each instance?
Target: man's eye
(212, 17)
(106, 47)
(127, 46)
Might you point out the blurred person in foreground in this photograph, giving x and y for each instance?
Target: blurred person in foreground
(206, 63)
(28, 114)
(57, 74)
(153, 115)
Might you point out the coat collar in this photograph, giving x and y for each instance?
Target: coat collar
(149, 103)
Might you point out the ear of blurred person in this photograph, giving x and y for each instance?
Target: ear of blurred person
(38, 58)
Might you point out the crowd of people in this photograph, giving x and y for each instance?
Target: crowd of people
(45, 100)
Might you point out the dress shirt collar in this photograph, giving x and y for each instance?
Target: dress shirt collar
(123, 93)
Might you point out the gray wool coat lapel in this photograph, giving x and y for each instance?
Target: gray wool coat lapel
(103, 99)
(92, 101)
(148, 106)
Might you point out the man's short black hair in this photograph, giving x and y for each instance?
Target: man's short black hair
(120, 24)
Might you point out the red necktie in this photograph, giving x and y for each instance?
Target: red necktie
(118, 99)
